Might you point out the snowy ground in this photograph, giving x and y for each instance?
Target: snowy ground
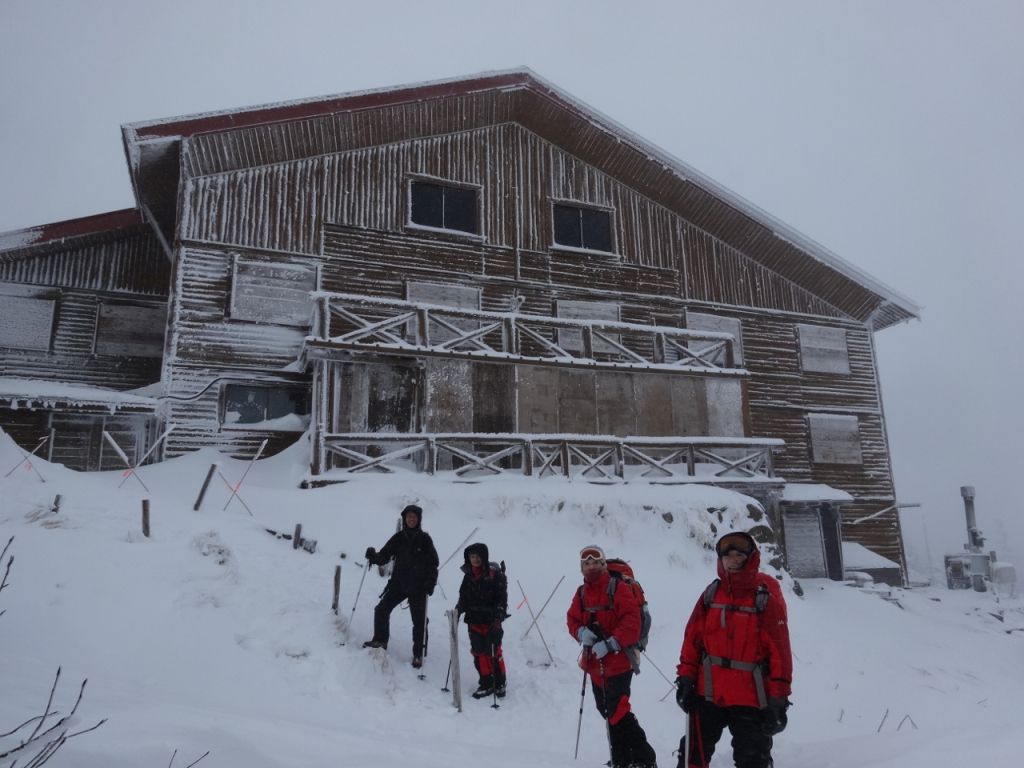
(214, 635)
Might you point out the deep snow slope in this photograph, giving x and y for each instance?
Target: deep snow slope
(214, 635)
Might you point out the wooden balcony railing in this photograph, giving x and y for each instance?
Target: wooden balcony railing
(351, 322)
(594, 458)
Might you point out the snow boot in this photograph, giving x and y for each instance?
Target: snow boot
(417, 662)
(375, 644)
(486, 688)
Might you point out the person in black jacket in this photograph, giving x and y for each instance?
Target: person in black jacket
(483, 598)
(413, 578)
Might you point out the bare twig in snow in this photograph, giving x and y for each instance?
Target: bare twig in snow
(879, 730)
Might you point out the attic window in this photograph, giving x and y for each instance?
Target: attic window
(581, 227)
(444, 206)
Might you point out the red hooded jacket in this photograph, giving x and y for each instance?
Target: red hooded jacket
(750, 637)
(620, 620)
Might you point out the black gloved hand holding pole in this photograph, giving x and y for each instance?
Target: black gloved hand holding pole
(775, 717)
(686, 693)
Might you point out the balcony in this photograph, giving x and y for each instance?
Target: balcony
(598, 458)
(349, 323)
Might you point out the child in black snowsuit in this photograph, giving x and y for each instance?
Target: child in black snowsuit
(483, 598)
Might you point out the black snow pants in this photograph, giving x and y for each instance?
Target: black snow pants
(751, 747)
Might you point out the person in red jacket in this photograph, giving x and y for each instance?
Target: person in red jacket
(735, 666)
(605, 620)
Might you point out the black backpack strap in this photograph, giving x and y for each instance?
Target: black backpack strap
(709, 593)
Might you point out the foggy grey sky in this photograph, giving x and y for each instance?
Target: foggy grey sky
(889, 131)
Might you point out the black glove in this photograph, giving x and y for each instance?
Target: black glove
(371, 553)
(495, 633)
(686, 693)
(774, 716)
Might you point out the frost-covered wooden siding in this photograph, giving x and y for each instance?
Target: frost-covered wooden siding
(331, 192)
(80, 276)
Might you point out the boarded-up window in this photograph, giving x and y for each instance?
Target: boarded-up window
(26, 323)
(283, 408)
(459, 296)
(572, 340)
(835, 439)
(823, 349)
(130, 330)
(271, 292)
(698, 321)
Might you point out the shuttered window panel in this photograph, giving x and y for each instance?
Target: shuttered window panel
(130, 330)
(26, 323)
(272, 292)
(835, 439)
(823, 349)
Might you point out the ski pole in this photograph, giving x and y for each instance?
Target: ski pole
(494, 677)
(700, 740)
(604, 697)
(447, 674)
(579, 723)
(686, 740)
(358, 592)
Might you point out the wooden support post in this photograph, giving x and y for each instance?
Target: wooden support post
(587, 334)
(422, 327)
(566, 458)
(297, 536)
(528, 457)
(660, 355)
(145, 518)
(206, 486)
(509, 344)
(337, 589)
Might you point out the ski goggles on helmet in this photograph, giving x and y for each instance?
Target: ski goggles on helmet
(591, 554)
(734, 542)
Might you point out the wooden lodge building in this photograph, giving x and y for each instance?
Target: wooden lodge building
(471, 277)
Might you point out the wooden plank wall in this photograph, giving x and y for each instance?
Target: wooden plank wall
(344, 208)
(85, 272)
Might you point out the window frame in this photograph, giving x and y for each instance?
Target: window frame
(581, 206)
(436, 181)
(235, 426)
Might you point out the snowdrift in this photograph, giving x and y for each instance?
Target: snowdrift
(213, 634)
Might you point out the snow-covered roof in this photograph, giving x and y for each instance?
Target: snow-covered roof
(807, 492)
(143, 140)
(62, 231)
(857, 557)
(36, 393)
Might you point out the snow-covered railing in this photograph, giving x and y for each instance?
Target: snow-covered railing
(352, 322)
(600, 457)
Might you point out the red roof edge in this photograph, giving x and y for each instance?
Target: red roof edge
(311, 108)
(87, 225)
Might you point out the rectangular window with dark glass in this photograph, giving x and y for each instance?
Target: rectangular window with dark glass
(282, 408)
(442, 206)
(578, 227)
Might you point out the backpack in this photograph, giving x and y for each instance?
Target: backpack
(760, 599)
(620, 572)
